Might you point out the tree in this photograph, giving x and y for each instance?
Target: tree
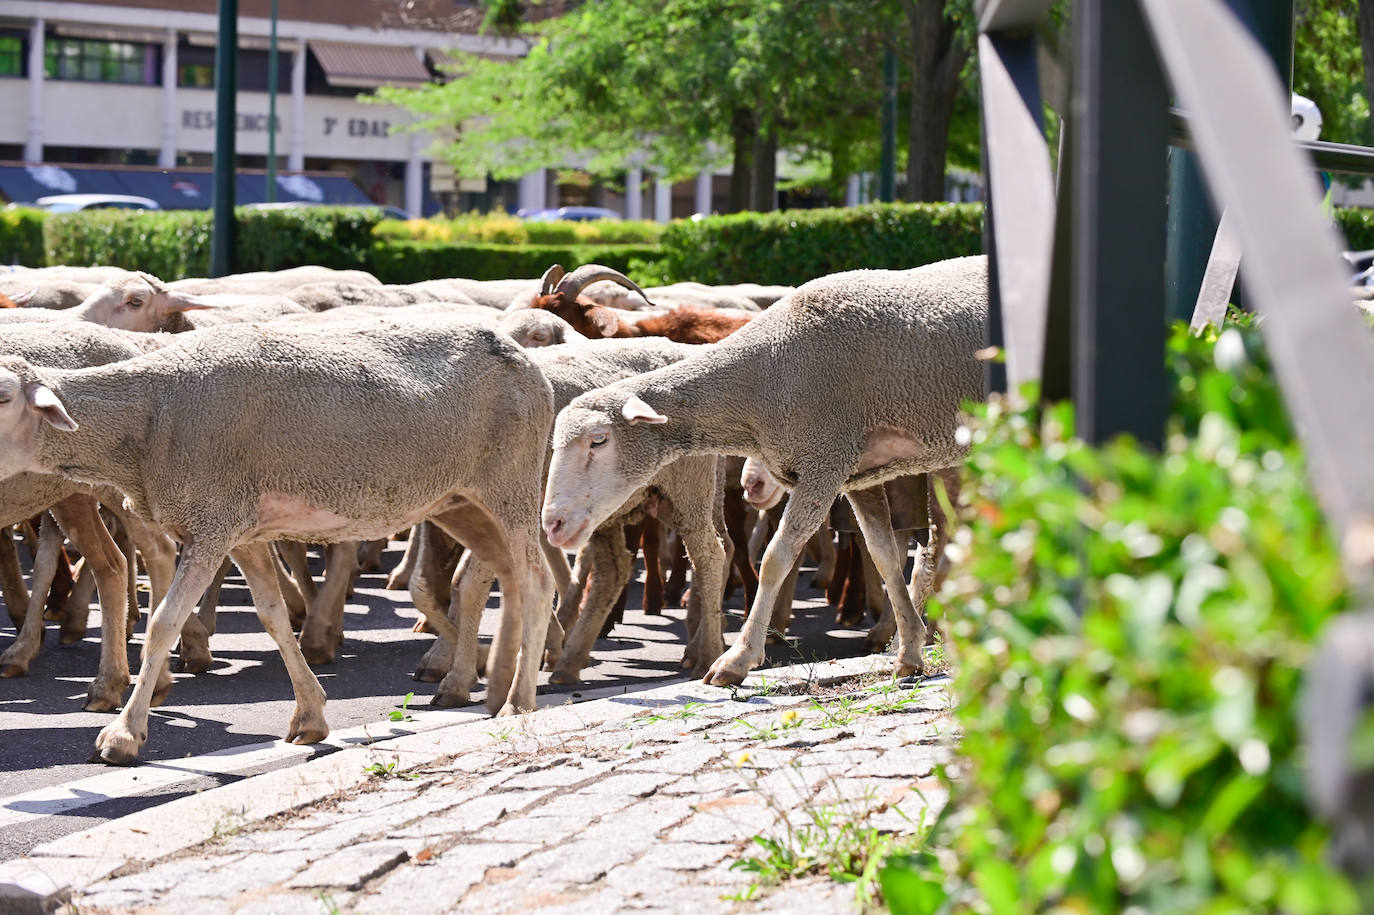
(1328, 67)
(938, 50)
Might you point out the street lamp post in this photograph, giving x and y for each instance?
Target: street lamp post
(226, 116)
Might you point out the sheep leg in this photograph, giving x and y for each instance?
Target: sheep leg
(61, 585)
(80, 517)
(437, 557)
(514, 554)
(781, 617)
(297, 604)
(471, 584)
(677, 575)
(207, 614)
(734, 524)
(613, 565)
(12, 580)
(650, 541)
(74, 624)
(929, 571)
(323, 630)
(758, 535)
(370, 555)
(308, 724)
(16, 659)
(706, 640)
(581, 572)
(801, 518)
(889, 555)
(294, 555)
(849, 606)
(83, 589)
(824, 542)
(872, 593)
(558, 565)
(399, 579)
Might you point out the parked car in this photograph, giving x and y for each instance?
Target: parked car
(71, 203)
(572, 214)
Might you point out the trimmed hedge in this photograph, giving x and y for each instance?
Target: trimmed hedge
(410, 262)
(793, 246)
(176, 243)
(21, 236)
(504, 229)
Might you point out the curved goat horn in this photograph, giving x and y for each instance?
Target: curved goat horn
(551, 278)
(573, 284)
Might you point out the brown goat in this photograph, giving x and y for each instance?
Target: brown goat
(562, 295)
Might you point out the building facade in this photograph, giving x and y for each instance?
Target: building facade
(131, 82)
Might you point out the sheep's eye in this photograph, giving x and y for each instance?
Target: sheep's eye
(135, 303)
(598, 439)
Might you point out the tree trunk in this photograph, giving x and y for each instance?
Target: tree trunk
(765, 196)
(938, 57)
(1365, 19)
(742, 132)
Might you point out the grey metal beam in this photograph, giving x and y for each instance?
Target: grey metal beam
(1320, 346)
(1120, 138)
(1325, 155)
(1022, 187)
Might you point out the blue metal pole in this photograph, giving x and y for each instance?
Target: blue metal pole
(226, 117)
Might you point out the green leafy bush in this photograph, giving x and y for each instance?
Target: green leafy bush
(1142, 756)
(21, 236)
(793, 246)
(1358, 225)
(410, 262)
(176, 243)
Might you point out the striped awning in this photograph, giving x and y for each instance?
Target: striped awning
(368, 66)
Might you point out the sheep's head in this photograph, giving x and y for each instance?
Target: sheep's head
(531, 327)
(26, 405)
(606, 445)
(761, 489)
(138, 301)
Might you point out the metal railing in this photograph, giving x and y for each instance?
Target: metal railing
(1077, 279)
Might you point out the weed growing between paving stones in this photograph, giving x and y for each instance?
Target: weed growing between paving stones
(1131, 628)
(683, 714)
(836, 841)
(327, 904)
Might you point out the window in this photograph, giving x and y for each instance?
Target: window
(101, 61)
(11, 56)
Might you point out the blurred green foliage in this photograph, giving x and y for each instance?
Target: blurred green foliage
(21, 236)
(1131, 629)
(504, 229)
(410, 262)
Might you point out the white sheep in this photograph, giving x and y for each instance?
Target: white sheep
(687, 492)
(534, 327)
(272, 282)
(853, 379)
(216, 437)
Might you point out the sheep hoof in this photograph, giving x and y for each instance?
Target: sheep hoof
(428, 675)
(450, 698)
(317, 654)
(104, 697)
(508, 710)
(729, 670)
(307, 726)
(565, 677)
(397, 582)
(193, 662)
(820, 582)
(877, 639)
(71, 636)
(117, 745)
(14, 670)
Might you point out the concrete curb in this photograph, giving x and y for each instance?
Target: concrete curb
(58, 868)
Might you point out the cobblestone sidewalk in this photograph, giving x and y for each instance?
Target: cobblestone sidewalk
(640, 805)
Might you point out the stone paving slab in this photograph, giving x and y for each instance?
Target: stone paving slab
(636, 803)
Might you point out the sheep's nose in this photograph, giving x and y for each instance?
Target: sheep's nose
(551, 528)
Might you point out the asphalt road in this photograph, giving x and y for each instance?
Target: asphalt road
(245, 700)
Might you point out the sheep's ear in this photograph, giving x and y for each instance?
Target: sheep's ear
(42, 399)
(604, 320)
(636, 410)
(24, 298)
(186, 302)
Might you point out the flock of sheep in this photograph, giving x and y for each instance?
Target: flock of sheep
(502, 423)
